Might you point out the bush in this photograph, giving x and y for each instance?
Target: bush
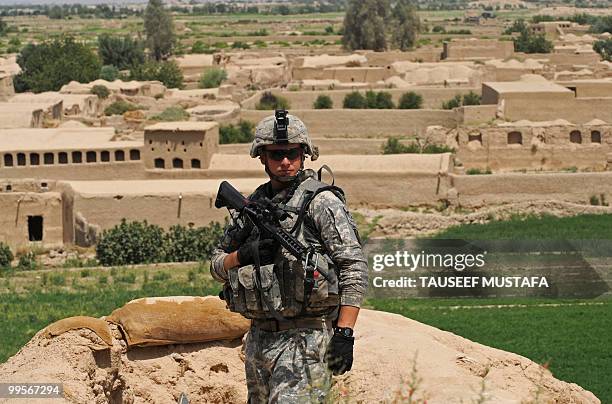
(101, 91)
(172, 114)
(199, 47)
(394, 146)
(271, 101)
(191, 244)
(50, 65)
(323, 102)
(109, 73)
(243, 133)
(212, 78)
(141, 243)
(478, 171)
(354, 100)
(240, 45)
(119, 108)
(57, 279)
(438, 29)
(131, 243)
(471, 98)
(410, 100)
(6, 256)
(454, 102)
(27, 262)
(169, 73)
(379, 100)
(604, 48)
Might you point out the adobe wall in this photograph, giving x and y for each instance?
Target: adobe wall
(364, 123)
(17, 206)
(461, 49)
(384, 59)
(433, 97)
(84, 171)
(476, 114)
(185, 145)
(6, 87)
(485, 190)
(542, 108)
(585, 89)
(343, 74)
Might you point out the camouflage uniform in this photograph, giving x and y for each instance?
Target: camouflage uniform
(289, 366)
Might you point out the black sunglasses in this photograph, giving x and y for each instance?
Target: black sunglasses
(279, 155)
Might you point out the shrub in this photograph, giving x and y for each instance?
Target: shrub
(240, 45)
(354, 100)
(6, 256)
(438, 29)
(131, 243)
(27, 262)
(212, 78)
(381, 100)
(454, 102)
(243, 133)
(199, 47)
(323, 102)
(271, 101)
(191, 244)
(410, 100)
(101, 91)
(172, 114)
(169, 73)
(140, 242)
(57, 279)
(604, 48)
(471, 98)
(119, 108)
(478, 171)
(109, 73)
(394, 146)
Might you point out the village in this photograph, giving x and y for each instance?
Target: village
(485, 113)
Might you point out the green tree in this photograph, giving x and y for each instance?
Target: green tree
(530, 43)
(410, 100)
(121, 52)
(604, 48)
(405, 25)
(50, 65)
(109, 73)
(271, 101)
(471, 98)
(159, 29)
(354, 100)
(168, 73)
(3, 27)
(364, 25)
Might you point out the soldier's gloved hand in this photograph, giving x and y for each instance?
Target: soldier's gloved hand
(339, 355)
(267, 250)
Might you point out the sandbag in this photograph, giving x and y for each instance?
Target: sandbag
(98, 326)
(177, 320)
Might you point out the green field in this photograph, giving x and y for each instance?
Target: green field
(582, 227)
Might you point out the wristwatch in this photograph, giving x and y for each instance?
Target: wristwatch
(344, 331)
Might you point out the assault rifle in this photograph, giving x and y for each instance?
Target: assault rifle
(267, 216)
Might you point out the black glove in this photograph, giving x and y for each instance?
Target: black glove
(267, 250)
(339, 355)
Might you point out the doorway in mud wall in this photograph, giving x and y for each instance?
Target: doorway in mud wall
(35, 228)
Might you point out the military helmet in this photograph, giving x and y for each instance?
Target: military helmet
(265, 133)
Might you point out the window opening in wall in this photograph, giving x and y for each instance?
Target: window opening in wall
(159, 163)
(35, 228)
(90, 156)
(575, 136)
(595, 136)
(515, 138)
(8, 188)
(8, 160)
(200, 144)
(62, 158)
(77, 157)
(134, 154)
(195, 163)
(34, 159)
(572, 89)
(177, 163)
(119, 155)
(104, 156)
(475, 137)
(21, 159)
(49, 158)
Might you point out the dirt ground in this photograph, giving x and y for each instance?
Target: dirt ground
(391, 353)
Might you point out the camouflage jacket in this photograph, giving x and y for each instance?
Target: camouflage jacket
(330, 219)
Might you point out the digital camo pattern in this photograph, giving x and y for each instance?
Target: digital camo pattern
(296, 133)
(336, 230)
(287, 366)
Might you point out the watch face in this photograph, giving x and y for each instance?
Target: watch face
(347, 332)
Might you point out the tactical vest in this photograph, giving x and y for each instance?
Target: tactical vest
(282, 283)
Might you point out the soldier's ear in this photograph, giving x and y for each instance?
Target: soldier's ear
(262, 158)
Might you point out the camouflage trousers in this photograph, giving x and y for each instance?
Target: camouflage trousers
(287, 366)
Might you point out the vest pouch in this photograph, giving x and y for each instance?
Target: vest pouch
(326, 292)
(246, 298)
(270, 288)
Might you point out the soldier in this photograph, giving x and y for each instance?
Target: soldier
(302, 321)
